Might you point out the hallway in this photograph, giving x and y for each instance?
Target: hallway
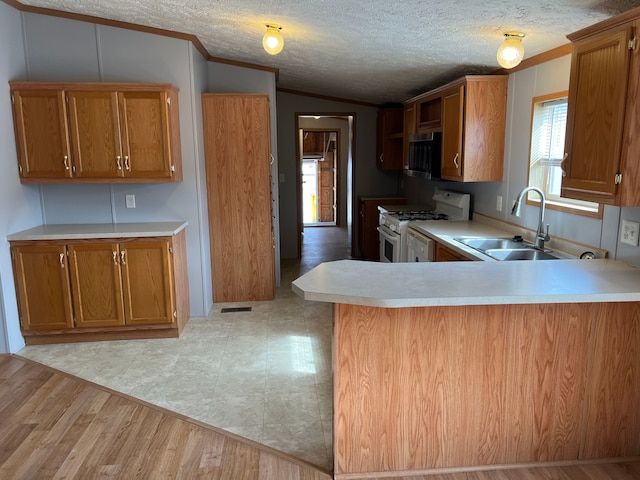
(263, 374)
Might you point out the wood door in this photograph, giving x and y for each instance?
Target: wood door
(237, 151)
(147, 278)
(42, 135)
(595, 117)
(144, 125)
(42, 286)
(452, 129)
(96, 284)
(95, 134)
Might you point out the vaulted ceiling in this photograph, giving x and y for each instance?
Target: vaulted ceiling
(364, 50)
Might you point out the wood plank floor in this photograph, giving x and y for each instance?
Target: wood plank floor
(54, 425)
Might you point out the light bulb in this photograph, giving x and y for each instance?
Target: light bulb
(511, 51)
(273, 42)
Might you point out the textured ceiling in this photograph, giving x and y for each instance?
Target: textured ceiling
(364, 50)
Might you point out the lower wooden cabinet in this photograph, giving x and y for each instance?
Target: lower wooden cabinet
(445, 254)
(81, 290)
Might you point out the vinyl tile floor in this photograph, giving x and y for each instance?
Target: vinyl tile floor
(264, 374)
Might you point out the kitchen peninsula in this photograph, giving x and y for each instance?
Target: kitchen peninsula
(473, 365)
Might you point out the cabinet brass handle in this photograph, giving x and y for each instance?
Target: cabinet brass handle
(62, 260)
(455, 161)
(65, 160)
(115, 258)
(564, 159)
(382, 158)
(127, 165)
(122, 260)
(118, 162)
(272, 159)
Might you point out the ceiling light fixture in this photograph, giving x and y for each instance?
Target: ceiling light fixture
(272, 40)
(511, 52)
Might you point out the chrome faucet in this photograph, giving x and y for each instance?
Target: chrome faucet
(541, 236)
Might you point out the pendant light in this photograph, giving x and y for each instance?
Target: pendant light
(272, 40)
(511, 52)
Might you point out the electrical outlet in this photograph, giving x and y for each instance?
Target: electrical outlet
(629, 232)
(131, 201)
(499, 203)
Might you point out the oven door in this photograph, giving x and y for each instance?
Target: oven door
(389, 245)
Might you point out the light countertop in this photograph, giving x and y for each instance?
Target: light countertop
(99, 230)
(397, 285)
(487, 282)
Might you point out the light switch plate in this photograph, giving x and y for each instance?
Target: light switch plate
(629, 232)
(499, 203)
(131, 201)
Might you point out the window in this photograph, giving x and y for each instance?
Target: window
(548, 127)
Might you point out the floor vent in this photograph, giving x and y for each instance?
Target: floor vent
(235, 309)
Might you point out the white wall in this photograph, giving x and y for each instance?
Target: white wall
(546, 78)
(224, 78)
(19, 204)
(368, 180)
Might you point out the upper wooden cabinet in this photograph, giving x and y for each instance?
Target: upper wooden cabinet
(390, 139)
(96, 132)
(602, 144)
(471, 113)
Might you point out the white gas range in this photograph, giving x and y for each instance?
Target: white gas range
(394, 224)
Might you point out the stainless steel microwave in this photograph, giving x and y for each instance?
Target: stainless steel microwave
(425, 155)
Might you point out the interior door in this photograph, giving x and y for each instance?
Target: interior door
(97, 284)
(95, 134)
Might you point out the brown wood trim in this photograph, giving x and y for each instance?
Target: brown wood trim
(139, 28)
(612, 22)
(93, 86)
(77, 337)
(327, 97)
(515, 467)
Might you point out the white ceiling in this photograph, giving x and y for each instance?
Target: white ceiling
(374, 51)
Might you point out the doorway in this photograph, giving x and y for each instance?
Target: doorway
(324, 170)
(320, 173)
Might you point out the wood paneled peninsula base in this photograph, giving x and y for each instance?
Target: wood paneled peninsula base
(485, 376)
(78, 283)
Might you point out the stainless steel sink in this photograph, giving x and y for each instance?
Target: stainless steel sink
(520, 254)
(509, 249)
(483, 244)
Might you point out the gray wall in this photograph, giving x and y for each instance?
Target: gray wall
(368, 180)
(549, 77)
(60, 49)
(43, 48)
(19, 204)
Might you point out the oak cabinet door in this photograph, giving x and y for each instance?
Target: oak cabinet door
(95, 134)
(452, 117)
(42, 285)
(144, 126)
(97, 284)
(596, 115)
(42, 137)
(238, 164)
(147, 282)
